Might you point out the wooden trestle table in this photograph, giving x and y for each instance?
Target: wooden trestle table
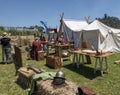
(100, 59)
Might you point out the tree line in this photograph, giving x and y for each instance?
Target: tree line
(111, 21)
(15, 32)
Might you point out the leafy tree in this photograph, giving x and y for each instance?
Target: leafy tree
(110, 21)
(40, 28)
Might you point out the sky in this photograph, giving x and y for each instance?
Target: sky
(31, 12)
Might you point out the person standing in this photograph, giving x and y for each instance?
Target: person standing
(42, 38)
(36, 46)
(6, 48)
(61, 39)
(36, 35)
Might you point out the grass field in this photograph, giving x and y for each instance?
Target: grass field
(108, 84)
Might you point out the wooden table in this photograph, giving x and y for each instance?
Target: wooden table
(77, 55)
(100, 59)
(62, 47)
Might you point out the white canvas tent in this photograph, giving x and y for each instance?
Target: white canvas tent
(71, 30)
(101, 37)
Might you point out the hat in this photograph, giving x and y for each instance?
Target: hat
(37, 38)
(4, 34)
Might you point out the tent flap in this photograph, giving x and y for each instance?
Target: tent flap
(72, 29)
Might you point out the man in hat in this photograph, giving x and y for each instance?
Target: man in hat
(6, 48)
(61, 39)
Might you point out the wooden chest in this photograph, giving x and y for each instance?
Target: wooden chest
(40, 55)
(54, 62)
(25, 76)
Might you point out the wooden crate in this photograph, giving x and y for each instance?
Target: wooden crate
(25, 76)
(40, 55)
(54, 62)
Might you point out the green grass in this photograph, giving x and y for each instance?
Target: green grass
(108, 84)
